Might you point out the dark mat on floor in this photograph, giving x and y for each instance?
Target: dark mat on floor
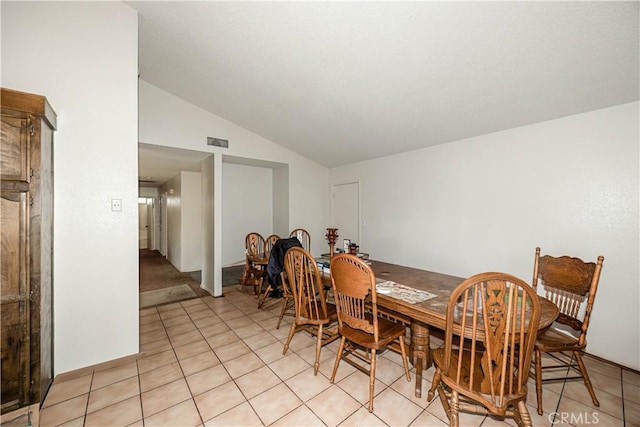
(158, 273)
(230, 275)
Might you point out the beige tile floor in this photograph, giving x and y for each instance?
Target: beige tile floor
(218, 362)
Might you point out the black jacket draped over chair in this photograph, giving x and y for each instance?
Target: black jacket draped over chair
(275, 266)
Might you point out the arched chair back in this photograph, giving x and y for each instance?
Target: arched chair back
(354, 290)
(491, 327)
(571, 284)
(304, 237)
(312, 312)
(255, 262)
(254, 244)
(268, 244)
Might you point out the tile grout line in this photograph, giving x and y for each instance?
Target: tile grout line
(283, 382)
(265, 364)
(202, 421)
(139, 381)
(237, 303)
(624, 418)
(86, 408)
(221, 363)
(225, 368)
(181, 370)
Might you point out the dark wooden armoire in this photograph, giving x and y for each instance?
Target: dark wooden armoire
(26, 226)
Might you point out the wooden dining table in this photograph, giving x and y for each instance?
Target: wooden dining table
(431, 313)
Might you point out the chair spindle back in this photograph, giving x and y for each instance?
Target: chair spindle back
(492, 321)
(254, 244)
(354, 290)
(306, 285)
(268, 244)
(568, 282)
(304, 237)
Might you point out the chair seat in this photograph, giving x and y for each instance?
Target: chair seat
(438, 358)
(483, 365)
(388, 331)
(557, 340)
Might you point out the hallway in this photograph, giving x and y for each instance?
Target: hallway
(157, 273)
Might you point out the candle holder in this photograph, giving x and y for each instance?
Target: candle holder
(332, 236)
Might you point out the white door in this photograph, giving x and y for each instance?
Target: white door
(163, 226)
(346, 213)
(151, 224)
(143, 226)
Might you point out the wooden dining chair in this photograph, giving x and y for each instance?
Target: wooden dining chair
(288, 306)
(276, 276)
(491, 327)
(268, 244)
(254, 272)
(312, 312)
(571, 284)
(304, 237)
(354, 289)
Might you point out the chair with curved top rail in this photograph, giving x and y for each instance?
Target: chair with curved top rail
(491, 327)
(359, 323)
(312, 312)
(571, 284)
(255, 262)
(268, 244)
(304, 237)
(276, 275)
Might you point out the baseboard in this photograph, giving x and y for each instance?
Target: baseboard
(65, 376)
(617, 365)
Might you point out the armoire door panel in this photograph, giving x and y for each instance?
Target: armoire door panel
(14, 359)
(14, 298)
(14, 269)
(14, 153)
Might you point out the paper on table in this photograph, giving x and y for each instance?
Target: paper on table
(403, 292)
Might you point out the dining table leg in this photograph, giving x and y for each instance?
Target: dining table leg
(419, 352)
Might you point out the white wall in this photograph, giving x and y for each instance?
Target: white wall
(191, 203)
(83, 56)
(280, 201)
(247, 206)
(569, 186)
(170, 121)
(207, 171)
(184, 220)
(173, 223)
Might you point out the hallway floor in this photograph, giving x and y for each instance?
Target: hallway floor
(218, 362)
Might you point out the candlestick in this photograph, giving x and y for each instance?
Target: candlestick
(332, 236)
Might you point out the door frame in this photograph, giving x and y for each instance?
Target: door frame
(333, 209)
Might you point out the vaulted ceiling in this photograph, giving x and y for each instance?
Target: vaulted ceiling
(341, 82)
